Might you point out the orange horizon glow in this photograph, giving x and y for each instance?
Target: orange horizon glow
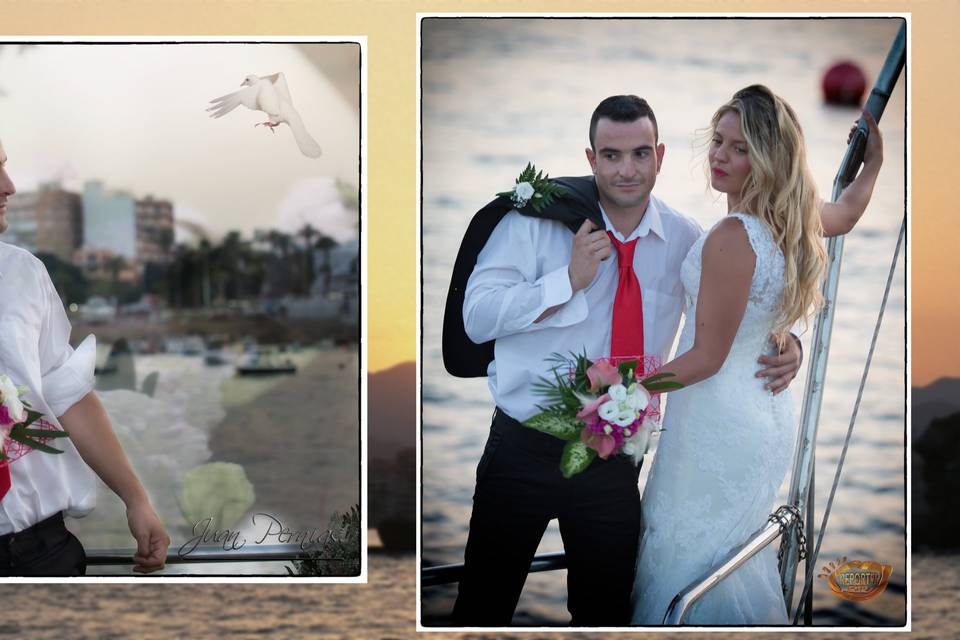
(934, 259)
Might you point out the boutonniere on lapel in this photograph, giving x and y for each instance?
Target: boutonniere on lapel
(534, 189)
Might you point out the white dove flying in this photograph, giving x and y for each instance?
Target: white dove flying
(270, 95)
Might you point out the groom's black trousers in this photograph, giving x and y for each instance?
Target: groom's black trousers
(519, 490)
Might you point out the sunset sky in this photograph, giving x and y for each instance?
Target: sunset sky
(390, 26)
(935, 259)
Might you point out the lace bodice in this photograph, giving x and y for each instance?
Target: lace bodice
(766, 288)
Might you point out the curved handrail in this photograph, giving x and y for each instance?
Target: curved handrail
(682, 602)
(782, 519)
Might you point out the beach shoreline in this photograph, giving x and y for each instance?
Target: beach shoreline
(299, 442)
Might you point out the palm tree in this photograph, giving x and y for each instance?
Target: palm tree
(325, 243)
(228, 265)
(279, 274)
(308, 233)
(205, 250)
(115, 265)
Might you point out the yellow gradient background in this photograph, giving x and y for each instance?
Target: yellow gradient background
(390, 26)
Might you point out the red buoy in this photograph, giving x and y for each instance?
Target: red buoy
(844, 85)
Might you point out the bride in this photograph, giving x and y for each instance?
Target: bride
(727, 441)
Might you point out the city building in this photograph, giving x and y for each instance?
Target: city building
(49, 220)
(154, 230)
(109, 221)
(108, 234)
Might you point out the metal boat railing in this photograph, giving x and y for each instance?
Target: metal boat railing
(778, 524)
(203, 554)
(801, 485)
(450, 573)
(681, 603)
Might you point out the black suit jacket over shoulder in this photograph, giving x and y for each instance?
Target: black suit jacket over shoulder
(462, 357)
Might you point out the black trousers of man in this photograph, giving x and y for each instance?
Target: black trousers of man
(45, 549)
(519, 490)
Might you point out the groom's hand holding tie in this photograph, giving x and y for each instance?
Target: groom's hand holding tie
(591, 246)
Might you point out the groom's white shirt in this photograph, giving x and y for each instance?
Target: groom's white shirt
(522, 272)
(35, 352)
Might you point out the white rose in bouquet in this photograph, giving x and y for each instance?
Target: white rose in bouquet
(638, 397)
(10, 402)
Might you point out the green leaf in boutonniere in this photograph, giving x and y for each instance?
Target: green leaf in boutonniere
(535, 189)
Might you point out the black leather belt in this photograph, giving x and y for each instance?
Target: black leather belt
(34, 532)
(526, 437)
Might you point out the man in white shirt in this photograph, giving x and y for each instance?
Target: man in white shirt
(35, 352)
(538, 289)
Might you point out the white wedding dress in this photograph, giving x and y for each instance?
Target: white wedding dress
(724, 452)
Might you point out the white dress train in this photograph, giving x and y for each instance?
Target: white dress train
(724, 452)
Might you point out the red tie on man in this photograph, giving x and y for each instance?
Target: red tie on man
(4, 479)
(626, 336)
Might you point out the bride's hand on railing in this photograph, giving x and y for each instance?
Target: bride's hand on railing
(840, 217)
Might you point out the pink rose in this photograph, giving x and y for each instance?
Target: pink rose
(591, 408)
(602, 443)
(603, 373)
(5, 418)
(591, 420)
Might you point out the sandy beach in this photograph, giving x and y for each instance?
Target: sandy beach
(384, 608)
(299, 442)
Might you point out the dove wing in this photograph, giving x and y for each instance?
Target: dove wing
(308, 146)
(280, 84)
(225, 104)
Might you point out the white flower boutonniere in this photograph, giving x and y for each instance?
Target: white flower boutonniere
(534, 189)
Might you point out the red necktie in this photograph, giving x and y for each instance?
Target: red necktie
(626, 336)
(4, 479)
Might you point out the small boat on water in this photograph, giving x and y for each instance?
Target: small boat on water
(215, 358)
(265, 364)
(192, 346)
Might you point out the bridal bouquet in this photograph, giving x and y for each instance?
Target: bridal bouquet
(17, 418)
(599, 408)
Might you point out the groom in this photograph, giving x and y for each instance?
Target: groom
(539, 288)
(37, 489)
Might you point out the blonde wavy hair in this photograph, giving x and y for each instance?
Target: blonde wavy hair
(781, 192)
